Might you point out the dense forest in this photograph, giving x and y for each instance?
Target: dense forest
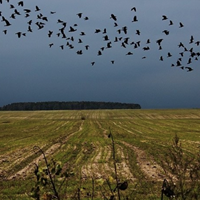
(74, 105)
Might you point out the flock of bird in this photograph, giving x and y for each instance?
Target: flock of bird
(122, 37)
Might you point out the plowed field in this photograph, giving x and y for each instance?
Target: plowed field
(80, 138)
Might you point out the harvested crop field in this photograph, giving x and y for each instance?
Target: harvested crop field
(80, 140)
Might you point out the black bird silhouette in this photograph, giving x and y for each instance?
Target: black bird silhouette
(92, 63)
(60, 21)
(104, 31)
(29, 29)
(6, 21)
(170, 22)
(109, 45)
(123, 45)
(72, 38)
(79, 15)
(112, 61)
(50, 45)
(80, 41)
(45, 19)
(169, 54)
(161, 58)
(189, 69)
(5, 32)
(40, 25)
(181, 25)
(146, 48)
(86, 47)
(116, 39)
(138, 43)
(72, 29)
(126, 40)
(21, 3)
(113, 17)
(129, 53)
(189, 61)
(119, 31)
(37, 8)
(97, 31)
(191, 50)
(27, 15)
(191, 39)
(181, 45)
(106, 38)
(82, 33)
(148, 41)
(27, 10)
(99, 53)
(164, 17)
(13, 16)
(135, 19)
(178, 63)
(159, 41)
(19, 34)
(115, 24)
(80, 52)
(29, 22)
(50, 33)
(12, 6)
(181, 53)
(133, 9)
(124, 29)
(166, 32)
(62, 47)
(137, 32)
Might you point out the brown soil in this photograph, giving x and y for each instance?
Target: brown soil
(149, 167)
(23, 173)
(98, 168)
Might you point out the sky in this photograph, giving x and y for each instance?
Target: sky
(31, 71)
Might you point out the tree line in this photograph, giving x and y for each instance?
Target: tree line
(74, 105)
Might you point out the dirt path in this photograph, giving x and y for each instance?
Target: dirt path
(23, 173)
(149, 167)
(101, 165)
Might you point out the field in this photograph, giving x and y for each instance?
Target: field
(80, 140)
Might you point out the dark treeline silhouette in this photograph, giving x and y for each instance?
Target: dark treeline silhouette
(74, 105)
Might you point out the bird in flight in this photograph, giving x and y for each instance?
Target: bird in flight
(164, 17)
(181, 25)
(113, 17)
(79, 15)
(133, 9)
(123, 36)
(135, 19)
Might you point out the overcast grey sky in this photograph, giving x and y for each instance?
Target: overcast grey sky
(31, 71)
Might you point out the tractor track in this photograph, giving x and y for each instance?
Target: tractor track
(25, 171)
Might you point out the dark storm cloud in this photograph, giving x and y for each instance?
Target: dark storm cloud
(31, 71)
